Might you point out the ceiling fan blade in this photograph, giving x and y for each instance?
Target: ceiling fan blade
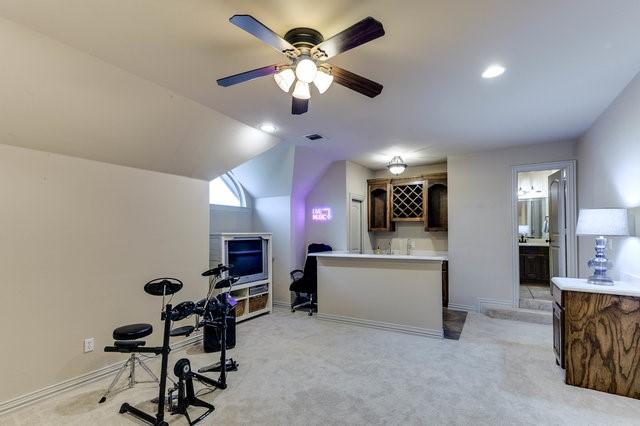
(259, 30)
(247, 75)
(364, 31)
(299, 106)
(356, 82)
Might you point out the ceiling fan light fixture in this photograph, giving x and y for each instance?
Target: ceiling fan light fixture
(306, 70)
(301, 91)
(396, 166)
(284, 79)
(322, 81)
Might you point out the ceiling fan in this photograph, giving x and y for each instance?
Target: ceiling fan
(307, 51)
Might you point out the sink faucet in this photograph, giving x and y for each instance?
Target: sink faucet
(389, 248)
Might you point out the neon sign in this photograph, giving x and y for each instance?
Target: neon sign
(321, 214)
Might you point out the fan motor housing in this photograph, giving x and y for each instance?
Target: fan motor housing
(304, 37)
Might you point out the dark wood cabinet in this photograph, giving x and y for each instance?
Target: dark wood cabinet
(437, 217)
(558, 326)
(379, 205)
(595, 339)
(415, 199)
(445, 284)
(534, 264)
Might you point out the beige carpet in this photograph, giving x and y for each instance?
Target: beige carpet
(298, 370)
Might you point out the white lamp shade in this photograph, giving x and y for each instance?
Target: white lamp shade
(322, 81)
(301, 90)
(285, 79)
(603, 222)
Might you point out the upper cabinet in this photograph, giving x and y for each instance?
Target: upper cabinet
(408, 200)
(379, 205)
(416, 199)
(437, 203)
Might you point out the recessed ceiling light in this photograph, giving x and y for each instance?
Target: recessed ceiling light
(268, 127)
(493, 71)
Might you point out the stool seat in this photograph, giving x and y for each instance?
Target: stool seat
(182, 331)
(132, 331)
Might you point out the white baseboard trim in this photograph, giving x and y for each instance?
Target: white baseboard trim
(281, 304)
(382, 325)
(92, 376)
(459, 307)
(483, 303)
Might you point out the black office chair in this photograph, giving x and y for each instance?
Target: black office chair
(307, 281)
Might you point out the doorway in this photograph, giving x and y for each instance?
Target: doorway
(355, 223)
(544, 241)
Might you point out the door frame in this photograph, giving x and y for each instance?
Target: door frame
(362, 200)
(571, 212)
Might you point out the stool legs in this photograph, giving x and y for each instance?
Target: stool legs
(131, 364)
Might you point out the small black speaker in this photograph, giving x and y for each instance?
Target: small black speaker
(212, 335)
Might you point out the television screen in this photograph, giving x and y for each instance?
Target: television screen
(245, 256)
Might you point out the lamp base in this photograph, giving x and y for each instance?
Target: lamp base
(599, 280)
(599, 264)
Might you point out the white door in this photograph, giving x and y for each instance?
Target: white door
(355, 226)
(557, 225)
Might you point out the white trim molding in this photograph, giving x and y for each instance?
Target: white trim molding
(426, 332)
(571, 215)
(483, 304)
(90, 377)
(459, 307)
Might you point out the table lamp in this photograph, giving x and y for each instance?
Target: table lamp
(601, 222)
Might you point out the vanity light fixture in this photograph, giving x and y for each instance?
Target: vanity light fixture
(493, 71)
(396, 166)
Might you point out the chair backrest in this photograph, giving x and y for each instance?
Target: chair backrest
(311, 263)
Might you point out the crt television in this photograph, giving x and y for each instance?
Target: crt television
(248, 258)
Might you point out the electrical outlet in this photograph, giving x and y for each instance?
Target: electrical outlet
(89, 344)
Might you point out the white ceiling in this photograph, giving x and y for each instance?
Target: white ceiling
(566, 61)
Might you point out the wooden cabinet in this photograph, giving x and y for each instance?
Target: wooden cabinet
(558, 326)
(415, 199)
(408, 200)
(534, 264)
(445, 284)
(379, 205)
(595, 337)
(437, 217)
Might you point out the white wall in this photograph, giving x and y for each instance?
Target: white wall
(273, 214)
(330, 191)
(480, 215)
(424, 241)
(357, 176)
(609, 175)
(78, 241)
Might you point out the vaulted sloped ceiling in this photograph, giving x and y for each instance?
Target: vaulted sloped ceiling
(566, 61)
(61, 100)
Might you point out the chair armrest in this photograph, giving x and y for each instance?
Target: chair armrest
(296, 274)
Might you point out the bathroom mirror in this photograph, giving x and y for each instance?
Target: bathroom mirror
(533, 215)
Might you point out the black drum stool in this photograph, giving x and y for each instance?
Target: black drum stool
(126, 342)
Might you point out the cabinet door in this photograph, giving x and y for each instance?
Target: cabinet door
(558, 334)
(379, 206)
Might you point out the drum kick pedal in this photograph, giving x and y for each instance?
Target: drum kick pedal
(186, 396)
(216, 367)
